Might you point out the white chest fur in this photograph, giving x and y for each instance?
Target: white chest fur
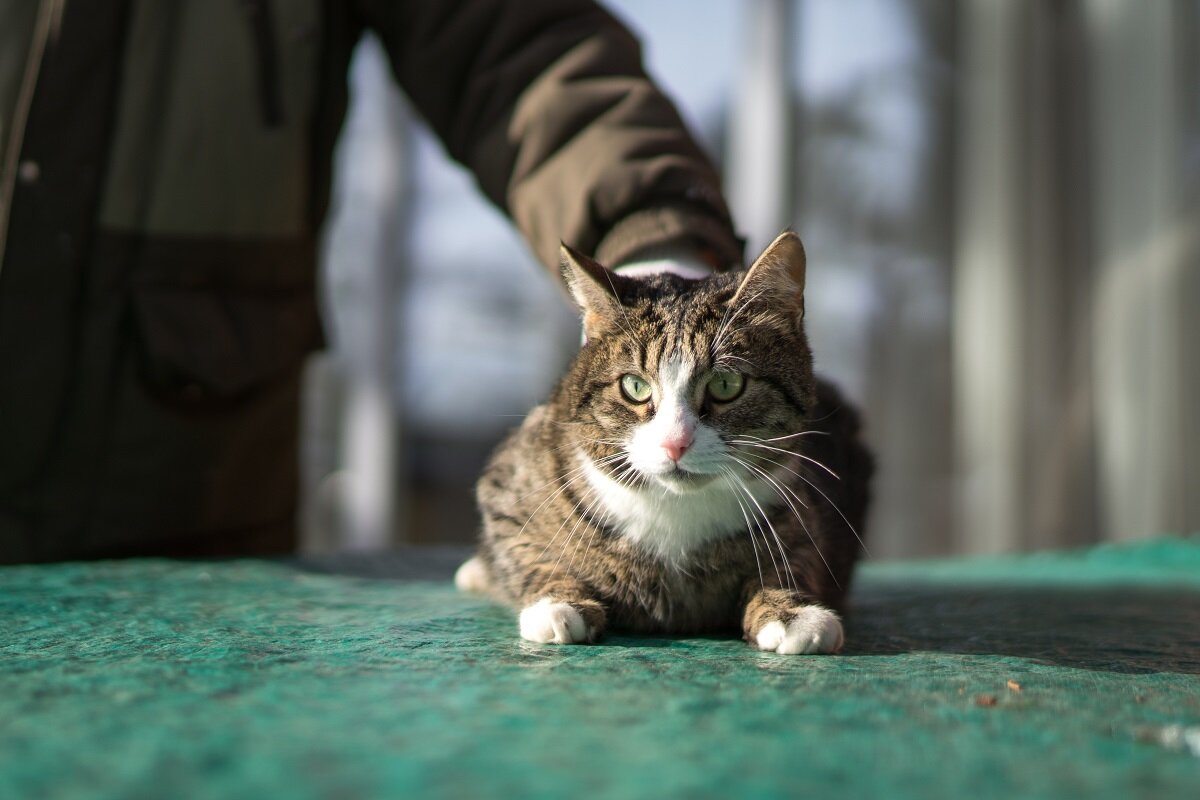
(671, 525)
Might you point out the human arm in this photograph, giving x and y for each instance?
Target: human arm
(546, 101)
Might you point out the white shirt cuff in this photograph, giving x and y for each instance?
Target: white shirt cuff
(685, 266)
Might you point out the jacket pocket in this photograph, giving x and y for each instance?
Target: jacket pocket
(216, 320)
(214, 345)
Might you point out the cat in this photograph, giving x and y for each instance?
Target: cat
(688, 475)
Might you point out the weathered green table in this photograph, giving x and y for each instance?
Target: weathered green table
(1073, 675)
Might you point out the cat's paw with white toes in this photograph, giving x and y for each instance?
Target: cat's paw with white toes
(809, 629)
(550, 621)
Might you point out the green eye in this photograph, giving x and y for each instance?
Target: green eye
(635, 389)
(725, 386)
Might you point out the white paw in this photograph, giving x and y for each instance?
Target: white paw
(472, 576)
(550, 622)
(812, 630)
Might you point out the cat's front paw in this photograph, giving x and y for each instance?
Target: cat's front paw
(551, 621)
(806, 629)
(473, 576)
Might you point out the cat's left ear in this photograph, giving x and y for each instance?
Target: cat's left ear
(777, 275)
(597, 290)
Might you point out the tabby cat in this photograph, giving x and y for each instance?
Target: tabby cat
(688, 475)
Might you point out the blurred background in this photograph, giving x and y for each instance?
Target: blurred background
(1000, 204)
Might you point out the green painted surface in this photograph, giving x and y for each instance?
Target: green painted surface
(252, 679)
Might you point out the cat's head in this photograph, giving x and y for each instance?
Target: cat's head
(677, 377)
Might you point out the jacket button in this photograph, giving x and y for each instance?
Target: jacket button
(28, 172)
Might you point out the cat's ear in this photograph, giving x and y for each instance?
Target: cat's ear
(777, 275)
(596, 289)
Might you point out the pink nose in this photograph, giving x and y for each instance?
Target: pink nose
(677, 446)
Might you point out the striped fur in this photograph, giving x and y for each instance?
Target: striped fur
(589, 522)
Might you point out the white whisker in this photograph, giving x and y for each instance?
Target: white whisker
(778, 542)
(730, 477)
(788, 436)
(783, 490)
(819, 491)
(786, 452)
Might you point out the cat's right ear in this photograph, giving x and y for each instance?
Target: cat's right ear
(777, 276)
(596, 290)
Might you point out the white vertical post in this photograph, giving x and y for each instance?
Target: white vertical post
(360, 262)
(759, 175)
(370, 423)
(987, 328)
(1148, 295)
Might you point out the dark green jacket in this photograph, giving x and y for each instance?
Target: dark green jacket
(166, 174)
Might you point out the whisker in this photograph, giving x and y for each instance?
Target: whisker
(554, 538)
(582, 467)
(628, 325)
(727, 321)
(730, 477)
(788, 436)
(779, 542)
(726, 359)
(786, 452)
(578, 541)
(780, 489)
(752, 523)
(566, 479)
(819, 491)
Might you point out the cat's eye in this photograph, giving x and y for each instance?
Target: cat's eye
(635, 389)
(725, 387)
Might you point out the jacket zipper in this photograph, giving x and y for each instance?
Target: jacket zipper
(49, 18)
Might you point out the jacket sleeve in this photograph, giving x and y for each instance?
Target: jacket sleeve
(546, 101)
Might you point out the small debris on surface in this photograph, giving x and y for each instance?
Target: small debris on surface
(1013, 686)
(985, 700)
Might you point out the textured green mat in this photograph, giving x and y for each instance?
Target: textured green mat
(253, 679)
